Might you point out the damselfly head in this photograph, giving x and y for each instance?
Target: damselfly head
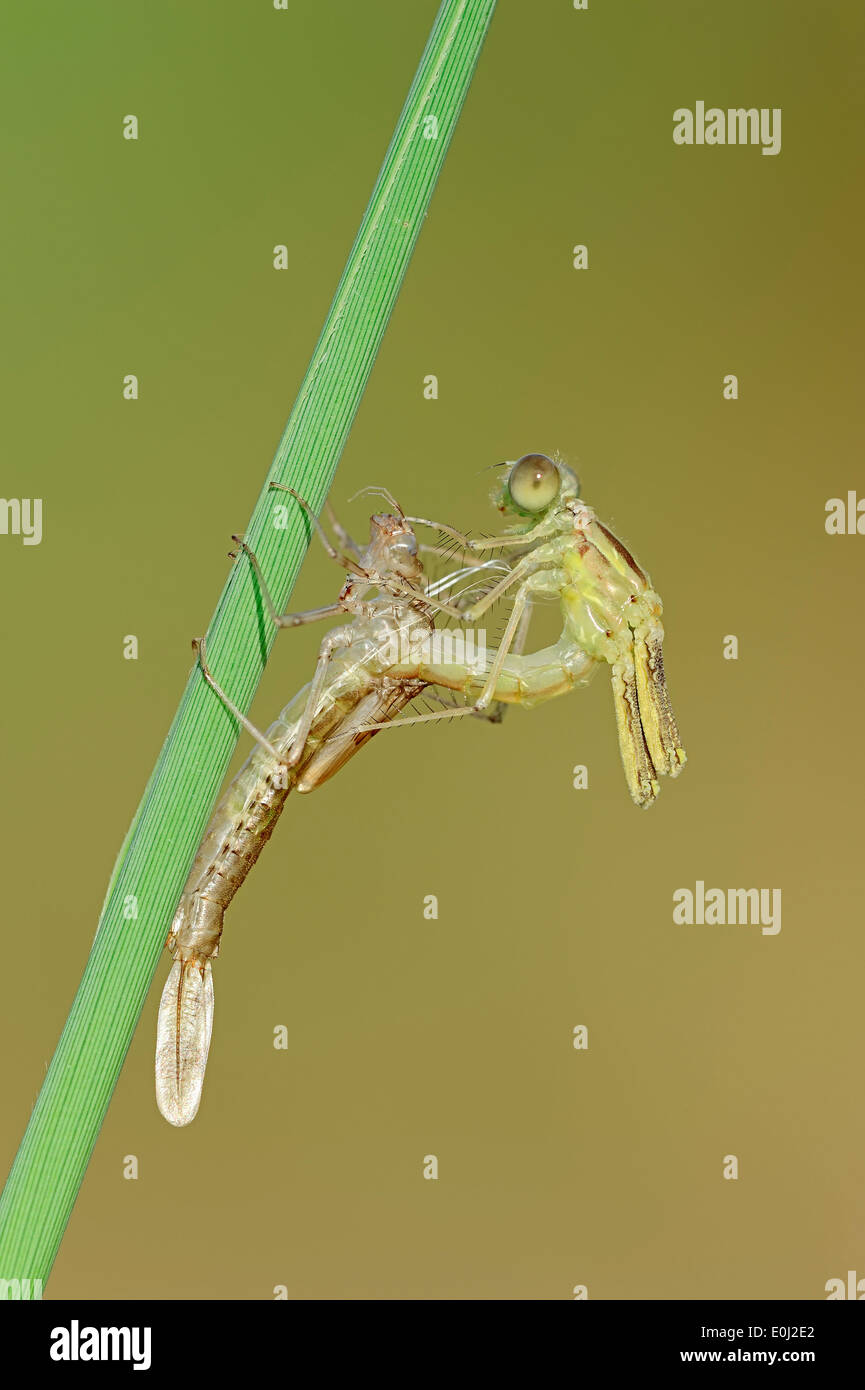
(535, 484)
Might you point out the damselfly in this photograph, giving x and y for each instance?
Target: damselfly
(610, 613)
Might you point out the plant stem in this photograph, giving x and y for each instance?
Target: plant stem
(153, 863)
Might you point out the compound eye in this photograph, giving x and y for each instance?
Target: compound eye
(533, 482)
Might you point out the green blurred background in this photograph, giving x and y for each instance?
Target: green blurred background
(454, 1037)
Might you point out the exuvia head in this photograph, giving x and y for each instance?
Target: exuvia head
(535, 484)
(393, 548)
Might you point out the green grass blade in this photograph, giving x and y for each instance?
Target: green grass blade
(50, 1165)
